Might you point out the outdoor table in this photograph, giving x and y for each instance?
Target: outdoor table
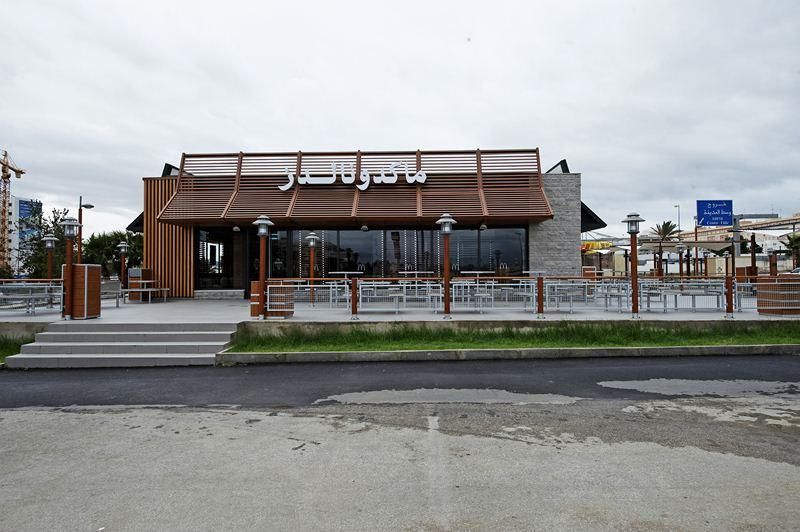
(476, 273)
(620, 293)
(693, 293)
(567, 290)
(534, 273)
(527, 296)
(379, 290)
(346, 273)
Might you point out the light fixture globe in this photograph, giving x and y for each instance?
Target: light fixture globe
(633, 220)
(122, 247)
(70, 226)
(680, 248)
(49, 241)
(263, 223)
(312, 239)
(446, 222)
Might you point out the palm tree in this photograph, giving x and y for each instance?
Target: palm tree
(666, 230)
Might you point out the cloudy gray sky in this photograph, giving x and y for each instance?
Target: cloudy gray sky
(656, 103)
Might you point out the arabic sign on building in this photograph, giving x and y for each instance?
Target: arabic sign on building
(714, 212)
(346, 173)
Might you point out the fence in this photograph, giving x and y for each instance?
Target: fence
(29, 294)
(535, 295)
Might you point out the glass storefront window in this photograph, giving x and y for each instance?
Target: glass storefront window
(228, 259)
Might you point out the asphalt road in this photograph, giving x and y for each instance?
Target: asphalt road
(709, 443)
(299, 385)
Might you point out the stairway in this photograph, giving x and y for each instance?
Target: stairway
(83, 344)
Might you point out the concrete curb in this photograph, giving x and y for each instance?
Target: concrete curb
(234, 358)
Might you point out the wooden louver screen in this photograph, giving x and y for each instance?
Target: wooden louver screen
(492, 185)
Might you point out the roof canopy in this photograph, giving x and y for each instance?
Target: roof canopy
(346, 188)
(672, 245)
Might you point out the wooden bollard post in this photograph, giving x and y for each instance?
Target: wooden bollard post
(729, 297)
(354, 298)
(540, 297)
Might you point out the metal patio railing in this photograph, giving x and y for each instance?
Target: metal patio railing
(536, 295)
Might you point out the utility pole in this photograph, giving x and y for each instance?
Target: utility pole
(6, 167)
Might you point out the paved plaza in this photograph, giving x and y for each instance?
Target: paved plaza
(235, 311)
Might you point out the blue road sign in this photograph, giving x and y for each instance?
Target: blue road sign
(714, 212)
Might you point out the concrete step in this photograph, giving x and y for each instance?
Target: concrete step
(133, 337)
(25, 361)
(93, 326)
(121, 348)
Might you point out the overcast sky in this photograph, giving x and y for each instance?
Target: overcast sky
(655, 103)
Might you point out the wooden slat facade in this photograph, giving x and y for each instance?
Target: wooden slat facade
(480, 186)
(168, 248)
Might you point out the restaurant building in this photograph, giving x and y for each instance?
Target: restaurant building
(374, 212)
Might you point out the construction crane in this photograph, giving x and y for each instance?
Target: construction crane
(7, 166)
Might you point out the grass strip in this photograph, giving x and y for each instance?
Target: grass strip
(11, 346)
(558, 335)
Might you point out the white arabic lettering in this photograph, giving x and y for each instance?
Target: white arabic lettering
(347, 175)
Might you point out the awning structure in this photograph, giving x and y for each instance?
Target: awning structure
(672, 245)
(351, 188)
(595, 245)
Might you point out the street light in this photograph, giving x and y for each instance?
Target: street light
(81, 206)
(446, 226)
(706, 254)
(727, 254)
(49, 245)
(71, 230)
(123, 251)
(633, 220)
(312, 240)
(263, 223)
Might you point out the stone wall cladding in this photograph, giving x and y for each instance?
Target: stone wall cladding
(554, 245)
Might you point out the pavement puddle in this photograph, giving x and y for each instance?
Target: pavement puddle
(720, 388)
(748, 401)
(448, 395)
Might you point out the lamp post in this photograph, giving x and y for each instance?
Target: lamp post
(263, 223)
(123, 251)
(633, 220)
(727, 254)
(680, 248)
(81, 206)
(312, 240)
(446, 226)
(49, 245)
(705, 263)
(71, 229)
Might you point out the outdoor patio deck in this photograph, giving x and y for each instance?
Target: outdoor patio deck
(224, 311)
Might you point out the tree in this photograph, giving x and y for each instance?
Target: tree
(666, 230)
(32, 253)
(793, 243)
(101, 248)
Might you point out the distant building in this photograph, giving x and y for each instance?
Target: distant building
(21, 209)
